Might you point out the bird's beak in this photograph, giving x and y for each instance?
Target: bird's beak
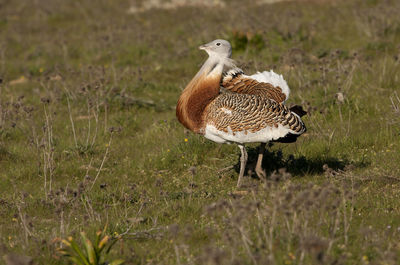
(203, 47)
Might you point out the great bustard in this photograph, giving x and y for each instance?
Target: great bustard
(225, 105)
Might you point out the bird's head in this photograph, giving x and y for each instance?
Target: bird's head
(218, 48)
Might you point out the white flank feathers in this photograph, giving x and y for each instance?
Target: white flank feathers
(262, 136)
(274, 79)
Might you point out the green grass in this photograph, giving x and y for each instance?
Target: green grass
(88, 134)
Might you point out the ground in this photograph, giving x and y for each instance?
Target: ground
(89, 138)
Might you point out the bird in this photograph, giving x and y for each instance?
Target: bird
(268, 84)
(226, 106)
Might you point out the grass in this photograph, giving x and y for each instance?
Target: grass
(88, 134)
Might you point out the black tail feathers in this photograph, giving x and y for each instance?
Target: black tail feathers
(291, 138)
(298, 110)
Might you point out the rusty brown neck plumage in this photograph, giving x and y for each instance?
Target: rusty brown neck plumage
(200, 91)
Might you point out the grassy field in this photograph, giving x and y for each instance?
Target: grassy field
(89, 138)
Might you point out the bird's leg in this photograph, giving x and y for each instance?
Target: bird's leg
(243, 161)
(259, 170)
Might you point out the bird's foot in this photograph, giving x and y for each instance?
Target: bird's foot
(261, 173)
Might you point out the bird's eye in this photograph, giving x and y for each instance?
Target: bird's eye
(218, 44)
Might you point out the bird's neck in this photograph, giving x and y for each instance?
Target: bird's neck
(200, 91)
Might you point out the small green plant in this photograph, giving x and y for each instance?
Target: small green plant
(95, 251)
